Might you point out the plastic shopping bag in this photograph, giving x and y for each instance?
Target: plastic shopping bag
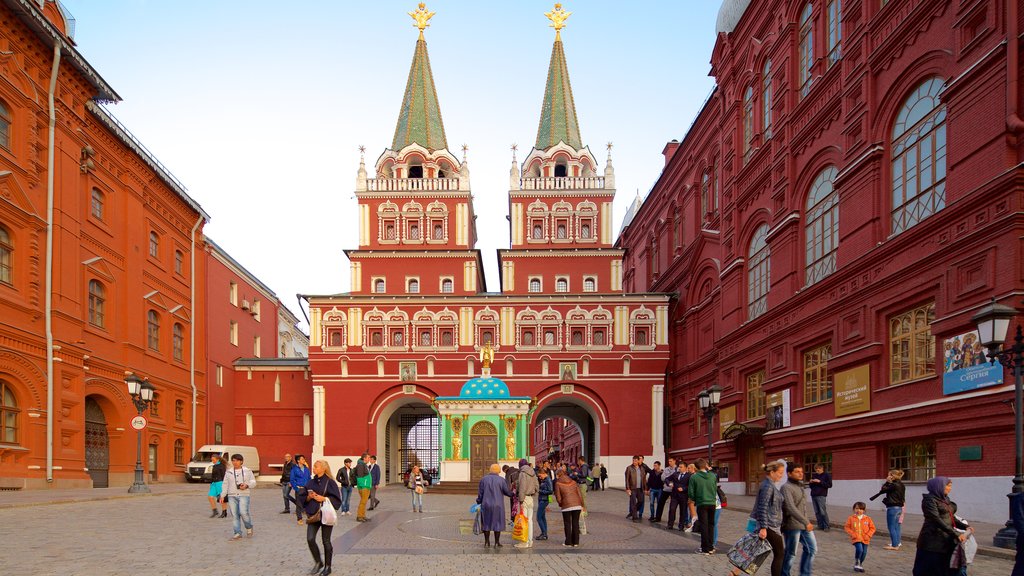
(520, 529)
(583, 523)
(476, 523)
(749, 553)
(328, 515)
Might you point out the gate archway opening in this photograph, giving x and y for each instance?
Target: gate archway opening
(409, 432)
(580, 435)
(97, 443)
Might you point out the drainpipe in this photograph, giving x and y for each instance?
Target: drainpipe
(48, 310)
(1014, 123)
(192, 330)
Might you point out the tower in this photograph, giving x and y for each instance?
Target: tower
(560, 206)
(417, 231)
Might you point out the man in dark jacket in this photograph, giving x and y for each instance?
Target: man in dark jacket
(346, 481)
(680, 488)
(375, 481)
(286, 483)
(655, 484)
(636, 487)
(363, 483)
(666, 488)
(821, 481)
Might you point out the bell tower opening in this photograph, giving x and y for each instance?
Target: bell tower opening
(561, 170)
(416, 171)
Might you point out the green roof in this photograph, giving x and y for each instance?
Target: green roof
(419, 120)
(558, 114)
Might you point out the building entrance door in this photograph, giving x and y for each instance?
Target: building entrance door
(754, 469)
(97, 444)
(483, 451)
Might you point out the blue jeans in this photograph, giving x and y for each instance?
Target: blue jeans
(346, 493)
(820, 511)
(655, 496)
(810, 546)
(892, 522)
(860, 553)
(417, 500)
(240, 512)
(542, 519)
(286, 493)
(718, 514)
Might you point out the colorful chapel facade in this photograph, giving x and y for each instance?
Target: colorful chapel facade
(397, 362)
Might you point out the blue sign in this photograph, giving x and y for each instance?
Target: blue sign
(972, 378)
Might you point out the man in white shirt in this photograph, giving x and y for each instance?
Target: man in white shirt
(237, 488)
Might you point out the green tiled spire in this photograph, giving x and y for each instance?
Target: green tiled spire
(558, 114)
(419, 120)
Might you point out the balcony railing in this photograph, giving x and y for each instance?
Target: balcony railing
(563, 183)
(412, 184)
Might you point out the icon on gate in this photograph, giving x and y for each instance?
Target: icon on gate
(139, 422)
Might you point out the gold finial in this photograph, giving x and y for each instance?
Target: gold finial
(422, 17)
(514, 148)
(465, 148)
(558, 16)
(362, 151)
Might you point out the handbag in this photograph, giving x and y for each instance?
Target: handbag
(520, 529)
(313, 518)
(749, 553)
(328, 515)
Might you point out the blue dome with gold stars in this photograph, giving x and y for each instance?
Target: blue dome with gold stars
(484, 388)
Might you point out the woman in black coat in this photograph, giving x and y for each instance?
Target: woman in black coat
(320, 487)
(895, 502)
(938, 539)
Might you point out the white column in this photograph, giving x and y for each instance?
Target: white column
(319, 421)
(657, 419)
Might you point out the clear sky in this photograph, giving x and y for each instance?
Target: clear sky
(259, 107)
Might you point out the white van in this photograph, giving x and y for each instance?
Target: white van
(200, 468)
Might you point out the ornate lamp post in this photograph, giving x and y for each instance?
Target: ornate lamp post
(708, 400)
(993, 321)
(141, 392)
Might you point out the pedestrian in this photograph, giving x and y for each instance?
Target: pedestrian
(298, 478)
(680, 488)
(346, 480)
(861, 528)
(655, 485)
(939, 537)
(895, 506)
(703, 491)
(583, 477)
(545, 488)
(418, 485)
(570, 501)
(595, 474)
(666, 489)
(320, 491)
(604, 476)
(511, 479)
(796, 522)
(636, 487)
(720, 502)
(375, 481)
(363, 483)
(286, 483)
(489, 495)
(821, 481)
(691, 508)
(527, 488)
(768, 513)
(216, 485)
(237, 488)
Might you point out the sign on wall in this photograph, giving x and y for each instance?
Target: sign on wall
(777, 411)
(726, 417)
(853, 390)
(965, 366)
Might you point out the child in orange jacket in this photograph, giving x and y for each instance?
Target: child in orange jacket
(861, 528)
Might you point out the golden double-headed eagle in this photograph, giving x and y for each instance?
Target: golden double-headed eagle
(558, 16)
(422, 17)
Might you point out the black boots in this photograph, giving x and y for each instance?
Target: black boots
(213, 513)
(223, 513)
(327, 567)
(317, 567)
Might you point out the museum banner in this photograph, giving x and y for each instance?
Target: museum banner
(726, 417)
(778, 410)
(853, 390)
(965, 366)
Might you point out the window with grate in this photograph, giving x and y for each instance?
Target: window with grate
(378, 286)
(534, 285)
(911, 344)
(916, 459)
(755, 395)
(398, 338)
(817, 380)
(425, 338)
(447, 286)
(577, 337)
(538, 230)
(414, 286)
(561, 285)
(590, 285)
(598, 337)
(585, 230)
(447, 338)
(438, 231)
(420, 442)
(822, 231)
(919, 157)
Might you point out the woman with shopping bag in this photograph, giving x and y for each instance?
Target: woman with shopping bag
(323, 498)
(753, 548)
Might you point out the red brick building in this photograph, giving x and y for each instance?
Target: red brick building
(847, 198)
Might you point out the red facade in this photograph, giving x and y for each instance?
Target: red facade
(848, 197)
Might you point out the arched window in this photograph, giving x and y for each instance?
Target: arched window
(549, 337)
(376, 339)
(96, 204)
(538, 231)
(378, 286)
(179, 452)
(5, 125)
(527, 338)
(153, 330)
(8, 414)
(822, 226)
(589, 285)
(178, 341)
(833, 16)
(585, 231)
(425, 338)
(705, 196)
(598, 337)
(577, 337)
(447, 286)
(561, 285)
(414, 286)
(561, 170)
(179, 413)
(641, 337)
(447, 338)
(6, 257)
(806, 49)
(154, 245)
(335, 338)
(534, 284)
(766, 100)
(398, 338)
(414, 230)
(560, 232)
(748, 123)
(438, 232)
(97, 303)
(758, 270)
(919, 157)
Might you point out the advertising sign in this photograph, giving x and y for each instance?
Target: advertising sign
(965, 366)
(853, 390)
(778, 409)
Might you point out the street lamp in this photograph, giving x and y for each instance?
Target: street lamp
(993, 321)
(141, 392)
(708, 400)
